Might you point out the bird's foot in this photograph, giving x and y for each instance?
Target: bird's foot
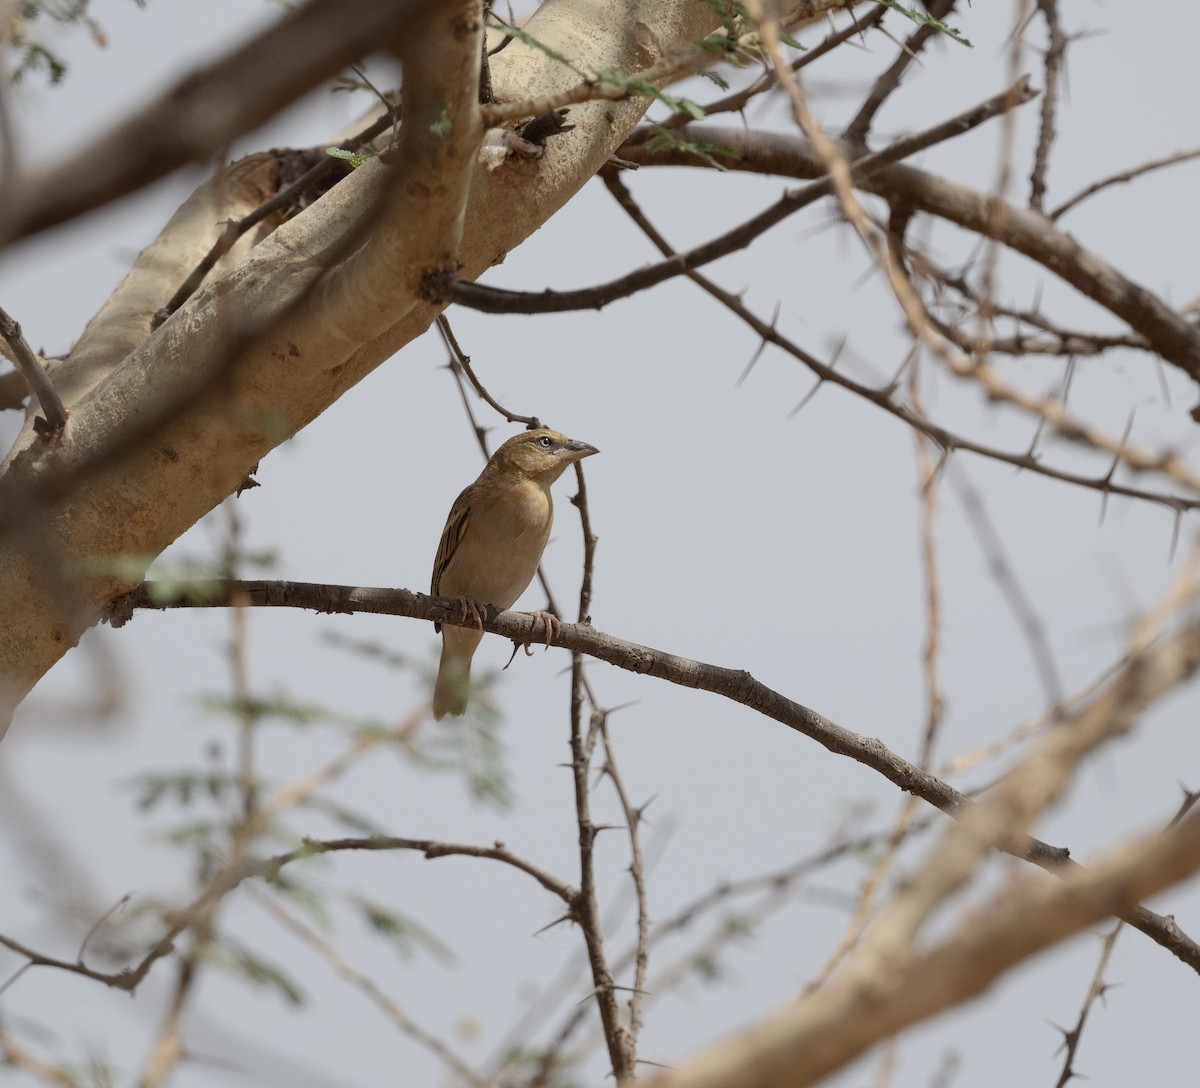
(549, 621)
(471, 609)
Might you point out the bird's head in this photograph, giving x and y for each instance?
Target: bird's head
(541, 454)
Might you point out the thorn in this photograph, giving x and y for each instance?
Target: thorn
(550, 925)
(1175, 535)
(894, 384)
(805, 399)
(1068, 377)
(750, 365)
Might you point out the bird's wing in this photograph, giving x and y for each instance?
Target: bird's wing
(452, 535)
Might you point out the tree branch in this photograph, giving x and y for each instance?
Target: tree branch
(35, 375)
(357, 311)
(496, 300)
(208, 109)
(1027, 232)
(736, 685)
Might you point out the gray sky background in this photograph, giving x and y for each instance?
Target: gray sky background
(728, 532)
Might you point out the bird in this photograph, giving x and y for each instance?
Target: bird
(492, 545)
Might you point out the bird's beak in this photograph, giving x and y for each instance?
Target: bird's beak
(579, 450)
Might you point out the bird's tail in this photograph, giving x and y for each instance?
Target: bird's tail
(453, 685)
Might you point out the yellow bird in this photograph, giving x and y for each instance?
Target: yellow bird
(492, 545)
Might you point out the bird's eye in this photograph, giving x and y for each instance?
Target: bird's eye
(545, 442)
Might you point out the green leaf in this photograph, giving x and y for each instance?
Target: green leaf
(922, 18)
(180, 786)
(354, 158)
(240, 962)
(708, 152)
(530, 40)
(404, 934)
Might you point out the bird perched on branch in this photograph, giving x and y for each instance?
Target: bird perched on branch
(492, 545)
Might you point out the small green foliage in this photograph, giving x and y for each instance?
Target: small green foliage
(922, 18)
(34, 56)
(726, 48)
(354, 158)
(470, 746)
(279, 709)
(304, 896)
(634, 86)
(442, 125)
(128, 568)
(708, 152)
(348, 818)
(407, 936)
(199, 834)
(530, 40)
(181, 787)
(738, 925)
(733, 15)
(837, 898)
(240, 962)
(196, 579)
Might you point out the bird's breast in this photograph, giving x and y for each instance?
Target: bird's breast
(502, 545)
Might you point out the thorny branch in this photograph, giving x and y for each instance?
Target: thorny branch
(883, 397)
(1034, 236)
(229, 878)
(583, 907)
(493, 300)
(736, 685)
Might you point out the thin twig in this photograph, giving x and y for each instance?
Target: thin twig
(369, 989)
(1122, 177)
(1055, 55)
(1020, 603)
(637, 872)
(586, 908)
(54, 413)
(889, 81)
(282, 201)
(464, 360)
(882, 397)
(736, 685)
(494, 300)
(1098, 987)
(739, 99)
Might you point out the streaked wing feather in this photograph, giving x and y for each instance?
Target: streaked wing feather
(452, 535)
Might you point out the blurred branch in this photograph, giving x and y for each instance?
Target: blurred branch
(34, 373)
(1121, 178)
(369, 989)
(738, 100)
(688, 61)
(1054, 58)
(736, 685)
(285, 201)
(208, 109)
(229, 878)
(876, 997)
(888, 82)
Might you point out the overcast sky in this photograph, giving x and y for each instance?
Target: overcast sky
(729, 531)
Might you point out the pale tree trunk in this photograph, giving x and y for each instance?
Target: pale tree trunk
(304, 315)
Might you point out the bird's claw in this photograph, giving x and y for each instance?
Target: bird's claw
(549, 621)
(470, 609)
